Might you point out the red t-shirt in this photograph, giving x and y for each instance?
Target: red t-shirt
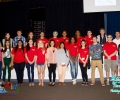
(110, 48)
(65, 40)
(83, 54)
(30, 54)
(79, 39)
(18, 55)
(89, 41)
(57, 41)
(72, 48)
(45, 41)
(40, 55)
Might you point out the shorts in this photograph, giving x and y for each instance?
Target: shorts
(110, 64)
(42, 64)
(117, 63)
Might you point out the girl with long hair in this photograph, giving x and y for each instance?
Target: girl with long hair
(18, 60)
(6, 60)
(62, 59)
(40, 62)
(0, 60)
(83, 53)
(30, 51)
(51, 62)
(7, 38)
(73, 55)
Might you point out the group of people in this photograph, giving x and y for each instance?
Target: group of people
(87, 51)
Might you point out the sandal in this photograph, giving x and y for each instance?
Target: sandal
(92, 84)
(86, 84)
(39, 84)
(32, 84)
(29, 84)
(50, 84)
(63, 83)
(60, 83)
(42, 84)
(53, 84)
(83, 83)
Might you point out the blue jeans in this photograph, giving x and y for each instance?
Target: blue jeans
(30, 68)
(0, 69)
(74, 68)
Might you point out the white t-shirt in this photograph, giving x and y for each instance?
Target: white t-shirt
(7, 54)
(117, 41)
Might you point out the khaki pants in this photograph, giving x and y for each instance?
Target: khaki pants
(97, 63)
(61, 73)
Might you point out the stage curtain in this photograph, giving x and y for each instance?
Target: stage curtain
(113, 22)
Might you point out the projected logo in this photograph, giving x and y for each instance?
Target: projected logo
(105, 2)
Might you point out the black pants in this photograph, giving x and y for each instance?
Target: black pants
(84, 72)
(19, 68)
(52, 69)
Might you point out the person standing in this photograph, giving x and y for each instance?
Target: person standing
(40, 62)
(73, 55)
(42, 37)
(64, 38)
(117, 41)
(110, 51)
(7, 37)
(18, 61)
(102, 38)
(89, 41)
(30, 52)
(79, 38)
(96, 60)
(6, 61)
(83, 54)
(31, 37)
(62, 59)
(19, 37)
(0, 60)
(55, 38)
(51, 62)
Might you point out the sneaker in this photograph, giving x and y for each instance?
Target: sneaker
(74, 82)
(107, 83)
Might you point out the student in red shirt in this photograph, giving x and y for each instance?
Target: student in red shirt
(40, 62)
(18, 60)
(73, 54)
(30, 58)
(55, 38)
(110, 51)
(89, 41)
(79, 38)
(42, 37)
(89, 38)
(83, 54)
(64, 38)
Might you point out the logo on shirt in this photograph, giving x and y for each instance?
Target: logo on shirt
(85, 51)
(113, 45)
(66, 40)
(33, 49)
(75, 46)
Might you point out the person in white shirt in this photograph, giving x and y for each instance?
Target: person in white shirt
(117, 41)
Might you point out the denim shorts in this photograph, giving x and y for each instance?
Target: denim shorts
(42, 64)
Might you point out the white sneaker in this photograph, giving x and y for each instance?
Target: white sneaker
(107, 83)
(74, 82)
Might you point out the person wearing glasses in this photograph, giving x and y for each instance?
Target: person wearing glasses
(117, 41)
(110, 51)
